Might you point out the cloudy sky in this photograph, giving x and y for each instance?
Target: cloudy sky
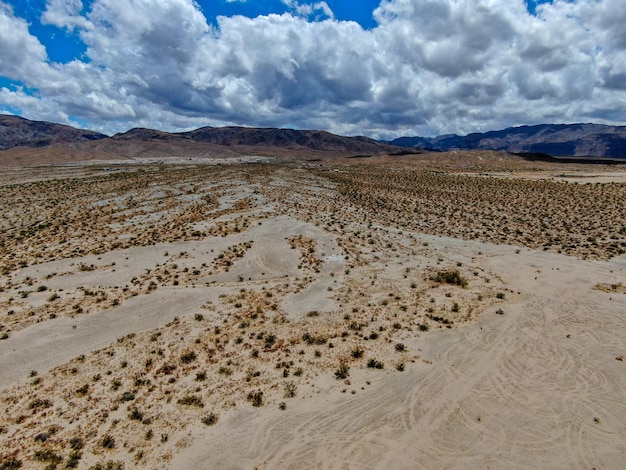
(381, 68)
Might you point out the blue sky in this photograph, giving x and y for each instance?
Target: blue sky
(376, 67)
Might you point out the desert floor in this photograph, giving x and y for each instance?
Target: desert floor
(370, 315)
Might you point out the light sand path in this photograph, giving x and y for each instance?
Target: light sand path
(48, 344)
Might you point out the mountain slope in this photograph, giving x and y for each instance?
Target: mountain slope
(288, 139)
(581, 140)
(16, 131)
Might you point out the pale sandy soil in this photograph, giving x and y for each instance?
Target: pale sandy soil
(199, 317)
(536, 387)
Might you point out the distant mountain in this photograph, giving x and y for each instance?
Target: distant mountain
(572, 140)
(16, 131)
(269, 138)
(560, 140)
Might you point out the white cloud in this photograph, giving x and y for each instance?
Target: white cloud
(430, 66)
(64, 14)
(317, 10)
(22, 56)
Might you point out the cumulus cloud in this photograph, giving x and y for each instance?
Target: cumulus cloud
(428, 67)
(22, 56)
(64, 14)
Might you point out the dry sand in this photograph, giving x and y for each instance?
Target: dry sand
(222, 350)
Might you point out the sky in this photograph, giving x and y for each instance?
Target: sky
(381, 68)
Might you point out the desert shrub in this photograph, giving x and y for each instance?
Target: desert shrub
(210, 419)
(10, 464)
(400, 347)
(317, 340)
(191, 400)
(357, 353)
(108, 442)
(39, 403)
(223, 370)
(290, 390)
(135, 414)
(73, 459)
(109, 465)
(256, 398)
(76, 443)
(269, 341)
(450, 277)
(188, 357)
(343, 372)
(374, 364)
(47, 456)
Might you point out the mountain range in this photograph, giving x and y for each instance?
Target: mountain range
(558, 140)
(30, 138)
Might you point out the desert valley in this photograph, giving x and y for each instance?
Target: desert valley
(445, 310)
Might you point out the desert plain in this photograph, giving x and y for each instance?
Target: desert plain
(420, 312)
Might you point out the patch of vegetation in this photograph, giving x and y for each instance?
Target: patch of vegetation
(256, 398)
(188, 357)
(317, 340)
(357, 353)
(343, 372)
(210, 419)
(450, 277)
(191, 400)
(109, 465)
(374, 364)
(108, 442)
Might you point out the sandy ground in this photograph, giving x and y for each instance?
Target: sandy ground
(536, 387)
(219, 340)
